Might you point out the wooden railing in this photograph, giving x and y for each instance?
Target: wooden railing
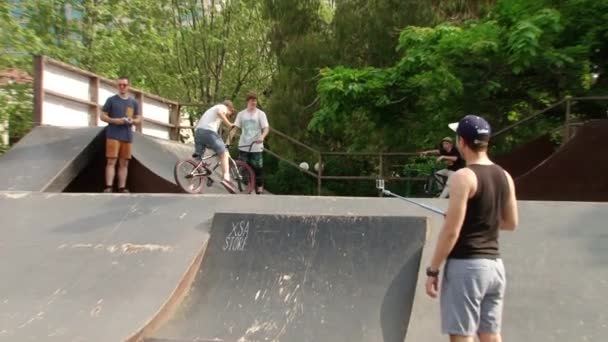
(69, 86)
(170, 116)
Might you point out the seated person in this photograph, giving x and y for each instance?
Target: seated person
(448, 153)
(206, 136)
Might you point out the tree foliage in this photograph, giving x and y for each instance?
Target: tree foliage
(502, 66)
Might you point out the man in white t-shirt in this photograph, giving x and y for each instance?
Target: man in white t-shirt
(254, 129)
(206, 136)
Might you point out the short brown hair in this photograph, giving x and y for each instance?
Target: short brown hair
(229, 104)
(479, 147)
(251, 96)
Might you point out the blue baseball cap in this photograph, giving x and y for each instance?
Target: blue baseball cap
(473, 128)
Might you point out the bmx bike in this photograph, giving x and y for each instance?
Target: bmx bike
(193, 173)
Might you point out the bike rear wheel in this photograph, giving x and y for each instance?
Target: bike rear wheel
(188, 177)
(243, 175)
(433, 187)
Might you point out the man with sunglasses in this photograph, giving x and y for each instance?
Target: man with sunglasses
(121, 112)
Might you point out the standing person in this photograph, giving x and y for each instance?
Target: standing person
(254, 129)
(482, 201)
(121, 112)
(206, 135)
(449, 153)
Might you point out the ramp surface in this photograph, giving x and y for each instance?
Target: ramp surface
(556, 265)
(64, 253)
(526, 157)
(575, 172)
(90, 267)
(61, 159)
(47, 159)
(303, 278)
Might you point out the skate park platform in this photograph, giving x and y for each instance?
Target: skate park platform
(79, 265)
(127, 267)
(72, 159)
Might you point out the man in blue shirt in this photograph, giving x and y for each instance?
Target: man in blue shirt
(121, 112)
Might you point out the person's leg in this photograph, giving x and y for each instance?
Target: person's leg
(461, 291)
(492, 305)
(454, 338)
(199, 146)
(257, 164)
(214, 141)
(225, 165)
(485, 337)
(123, 169)
(446, 188)
(110, 173)
(112, 147)
(123, 165)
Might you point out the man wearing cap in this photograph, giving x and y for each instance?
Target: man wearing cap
(448, 153)
(482, 202)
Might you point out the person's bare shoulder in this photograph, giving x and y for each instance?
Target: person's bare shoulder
(464, 180)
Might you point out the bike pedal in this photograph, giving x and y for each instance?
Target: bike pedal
(210, 182)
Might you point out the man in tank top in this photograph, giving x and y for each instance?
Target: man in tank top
(482, 202)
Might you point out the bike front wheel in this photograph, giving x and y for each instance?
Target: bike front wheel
(243, 175)
(189, 177)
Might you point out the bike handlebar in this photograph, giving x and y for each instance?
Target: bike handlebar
(250, 145)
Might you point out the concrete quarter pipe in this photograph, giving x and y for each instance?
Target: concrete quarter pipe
(303, 278)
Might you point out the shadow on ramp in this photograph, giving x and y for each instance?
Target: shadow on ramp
(302, 278)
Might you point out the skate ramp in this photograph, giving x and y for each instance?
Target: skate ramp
(556, 266)
(90, 267)
(99, 267)
(60, 159)
(575, 172)
(303, 278)
(527, 156)
(48, 158)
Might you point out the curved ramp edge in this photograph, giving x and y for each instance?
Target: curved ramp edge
(172, 304)
(48, 158)
(303, 278)
(575, 172)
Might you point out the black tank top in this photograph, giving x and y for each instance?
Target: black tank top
(479, 235)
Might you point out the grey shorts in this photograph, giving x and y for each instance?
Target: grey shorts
(204, 138)
(472, 294)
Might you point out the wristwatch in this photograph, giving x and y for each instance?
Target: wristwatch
(432, 273)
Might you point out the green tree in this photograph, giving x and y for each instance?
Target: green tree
(503, 66)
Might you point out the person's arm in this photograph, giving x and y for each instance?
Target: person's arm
(460, 189)
(510, 215)
(265, 132)
(136, 115)
(450, 158)
(424, 153)
(106, 118)
(265, 127)
(107, 107)
(235, 128)
(223, 115)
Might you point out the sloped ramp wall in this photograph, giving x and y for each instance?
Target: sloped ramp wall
(575, 172)
(48, 158)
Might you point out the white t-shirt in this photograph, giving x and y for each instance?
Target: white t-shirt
(251, 125)
(210, 119)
